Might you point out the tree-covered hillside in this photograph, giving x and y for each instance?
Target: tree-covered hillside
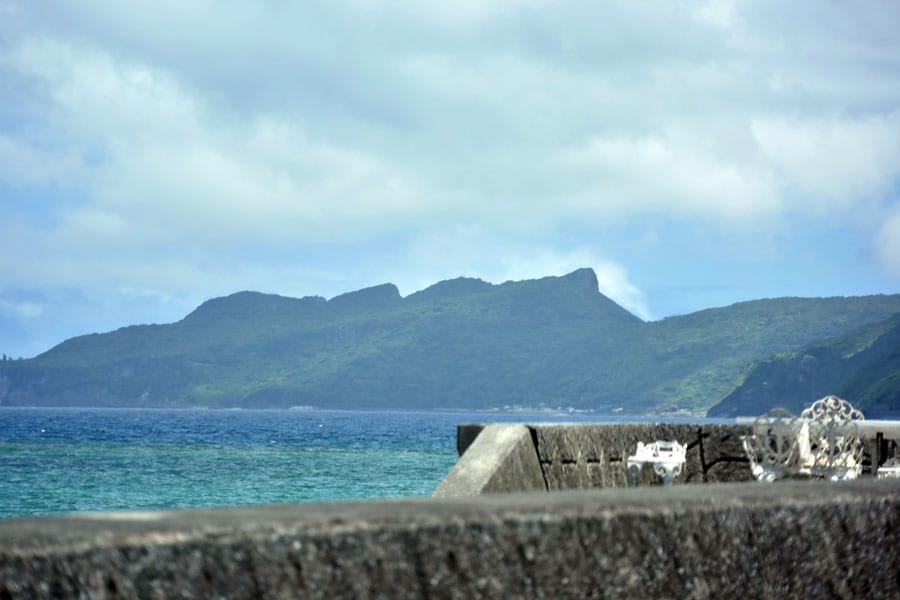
(863, 367)
(462, 343)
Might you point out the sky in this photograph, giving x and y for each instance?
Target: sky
(157, 154)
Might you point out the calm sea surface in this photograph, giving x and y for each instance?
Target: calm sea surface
(79, 460)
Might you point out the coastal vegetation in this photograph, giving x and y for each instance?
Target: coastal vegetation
(462, 343)
(863, 366)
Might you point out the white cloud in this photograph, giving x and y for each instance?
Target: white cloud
(172, 170)
(456, 14)
(658, 174)
(495, 131)
(718, 13)
(184, 148)
(837, 162)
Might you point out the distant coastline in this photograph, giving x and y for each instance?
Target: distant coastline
(548, 346)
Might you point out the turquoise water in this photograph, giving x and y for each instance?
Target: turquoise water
(77, 460)
(81, 460)
(79, 477)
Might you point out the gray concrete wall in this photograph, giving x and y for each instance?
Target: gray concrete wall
(579, 456)
(500, 459)
(593, 455)
(795, 539)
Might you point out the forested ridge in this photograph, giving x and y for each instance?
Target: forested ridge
(461, 343)
(862, 366)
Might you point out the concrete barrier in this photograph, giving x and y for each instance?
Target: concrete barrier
(589, 539)
(594, 455)
(589, 455)
(502, 458)
(795, 539)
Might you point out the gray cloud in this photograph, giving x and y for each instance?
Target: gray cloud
(149, 144)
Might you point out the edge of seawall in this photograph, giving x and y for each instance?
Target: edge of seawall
(793, 538)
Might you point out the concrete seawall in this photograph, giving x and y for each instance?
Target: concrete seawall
(591, 538)
(799, 539)
(566, 456)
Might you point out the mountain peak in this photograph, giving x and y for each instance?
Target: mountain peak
(584, 278)
(552, 340)
(452, 288)
(248, 304)
(370, 297)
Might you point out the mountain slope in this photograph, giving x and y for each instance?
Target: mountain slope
(863, 366)
(462, 343)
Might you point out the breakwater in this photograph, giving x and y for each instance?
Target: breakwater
(564, 456)
(787, 539)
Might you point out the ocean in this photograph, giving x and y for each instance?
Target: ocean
(62, 460)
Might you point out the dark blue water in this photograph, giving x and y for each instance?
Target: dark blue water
(79, 460)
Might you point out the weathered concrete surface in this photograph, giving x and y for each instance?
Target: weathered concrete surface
(592, 455)
(501, 459)
(794, 539)
(722, 453)
(578, 456)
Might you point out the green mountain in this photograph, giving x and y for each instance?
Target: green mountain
(462, 343)
(863, 367)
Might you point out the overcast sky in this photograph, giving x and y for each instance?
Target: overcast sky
(694, 154)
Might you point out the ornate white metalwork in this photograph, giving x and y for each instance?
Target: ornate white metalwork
(832, 408)
(773, 448)
(836, 449)
(667, 459)
(823, 443)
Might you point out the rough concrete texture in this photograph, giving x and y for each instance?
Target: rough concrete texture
(592, 455)
(722, 456)
(501, 459)
(795, 539)
(577, 456)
